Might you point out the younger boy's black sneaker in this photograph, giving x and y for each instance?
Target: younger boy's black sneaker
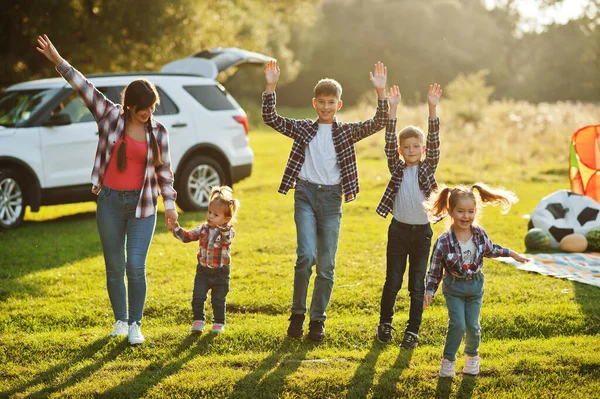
(410, 340)
(316, 330)
(295, 329)
(384, 332)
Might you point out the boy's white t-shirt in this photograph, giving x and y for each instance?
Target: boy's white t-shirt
(408, 203)
(320, 163)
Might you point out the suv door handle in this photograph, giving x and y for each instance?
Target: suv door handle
(179, 125)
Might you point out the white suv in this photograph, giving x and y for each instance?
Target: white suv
(48, 137)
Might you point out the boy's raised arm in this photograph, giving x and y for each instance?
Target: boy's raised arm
(364, 129)
(432, 152)
(271, 118)
(391, 140)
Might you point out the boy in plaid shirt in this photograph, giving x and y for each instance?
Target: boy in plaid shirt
(321, 167)
(214, 258)
(409, 234)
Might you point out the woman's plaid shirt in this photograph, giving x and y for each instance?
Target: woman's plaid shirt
(344, 135)
(111, 121)
(215, 249)
(427, 167)
(446, 257)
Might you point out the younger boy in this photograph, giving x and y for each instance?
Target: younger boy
(321, 167)
(409, 234)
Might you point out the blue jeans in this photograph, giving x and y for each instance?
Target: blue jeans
(412, 242)
(125, 243)
(216, 280)
(463, 299)
(318, 214)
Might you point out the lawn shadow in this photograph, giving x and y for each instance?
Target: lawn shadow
(444, 387)
(363, 376)
(87, 353)
(467, 386)
(386, 387)
(588, 298)
(155, 372)
(284, 360)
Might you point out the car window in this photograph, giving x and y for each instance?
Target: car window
(18, 106)
(75, 108)
(211, 97)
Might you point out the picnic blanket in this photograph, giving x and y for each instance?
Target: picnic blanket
(580, 267)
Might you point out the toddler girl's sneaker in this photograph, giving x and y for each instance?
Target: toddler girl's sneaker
(472, 365)
(218, 328)
(198, 326)
(135, 334)
(119, 328)
(447, 369)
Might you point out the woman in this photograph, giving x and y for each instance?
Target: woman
(127, 186)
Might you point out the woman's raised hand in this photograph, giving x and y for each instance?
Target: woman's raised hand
(45, 47)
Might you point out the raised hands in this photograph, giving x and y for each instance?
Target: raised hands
(434, 94)
(45, 47)
(271, 76)
(394, 98)
(378, 78)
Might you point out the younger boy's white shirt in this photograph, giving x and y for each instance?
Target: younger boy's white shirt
(408, 203)
(320, 163)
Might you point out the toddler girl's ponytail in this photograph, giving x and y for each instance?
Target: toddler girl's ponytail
(495, 196)
(437, 204)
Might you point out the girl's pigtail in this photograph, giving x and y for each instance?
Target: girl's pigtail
(122, 153)
(156, 156)
(495, 196)
(437, 205)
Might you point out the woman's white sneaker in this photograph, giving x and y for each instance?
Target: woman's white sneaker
(120, 328)
(447, 369)
(135, 334)
(472, 365)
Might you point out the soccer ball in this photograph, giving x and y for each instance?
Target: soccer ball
(563, 212)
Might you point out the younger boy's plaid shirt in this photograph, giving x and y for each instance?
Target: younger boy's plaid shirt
(427, 167)
(344, 135)
(111, 122)
(215, 249)
(446, 257)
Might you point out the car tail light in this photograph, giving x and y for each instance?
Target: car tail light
(243, 120)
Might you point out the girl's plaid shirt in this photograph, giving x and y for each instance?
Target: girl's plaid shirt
(344, 135)
(446, 257)
(215, 251)
(111, 122)
(427, 167)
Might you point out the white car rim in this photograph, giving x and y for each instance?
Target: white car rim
(11, 201)
(202, 178)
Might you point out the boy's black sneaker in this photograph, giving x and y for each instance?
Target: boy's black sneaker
(316, 330)
(295, 329)
(384, 332)
(410, 340)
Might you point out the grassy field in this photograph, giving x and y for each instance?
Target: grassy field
(540, 335)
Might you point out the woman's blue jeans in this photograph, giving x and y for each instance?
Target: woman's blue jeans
(463, 300)
(125, 243)
(317, 213)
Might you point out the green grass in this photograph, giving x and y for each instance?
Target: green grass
(540, 335)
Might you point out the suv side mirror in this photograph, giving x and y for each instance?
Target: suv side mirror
(57, 120)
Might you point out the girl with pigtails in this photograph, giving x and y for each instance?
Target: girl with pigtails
(214, 257)
(457, 262)
(127, 186)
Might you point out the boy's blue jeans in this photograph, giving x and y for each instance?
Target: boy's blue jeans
(216, 280)
(317, 213)
(463, 299)
(412, 242)
(125, 243)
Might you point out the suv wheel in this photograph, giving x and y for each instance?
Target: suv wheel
(12, 209)
(199, 175)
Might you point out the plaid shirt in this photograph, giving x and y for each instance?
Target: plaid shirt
(215, 249)
(344, 135)
(446, 257)
(427, 167)
(111, 122)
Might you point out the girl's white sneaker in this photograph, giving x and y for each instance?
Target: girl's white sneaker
(135, 334)
(218, 328)
(120, 328)
(447, 369)
(472, 365)
(198, 326)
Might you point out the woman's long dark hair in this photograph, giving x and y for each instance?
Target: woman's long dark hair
(139, 94)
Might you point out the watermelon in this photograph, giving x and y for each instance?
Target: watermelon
(537, 239)
(593, 238)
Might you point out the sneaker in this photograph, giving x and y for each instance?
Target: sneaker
(447, 369)
(295, 329)
(410, 340)
(384, 332)
(198, 326)
(135, 334)
(472, 365)
(120, 328)
(316, 330)
(218, 328)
